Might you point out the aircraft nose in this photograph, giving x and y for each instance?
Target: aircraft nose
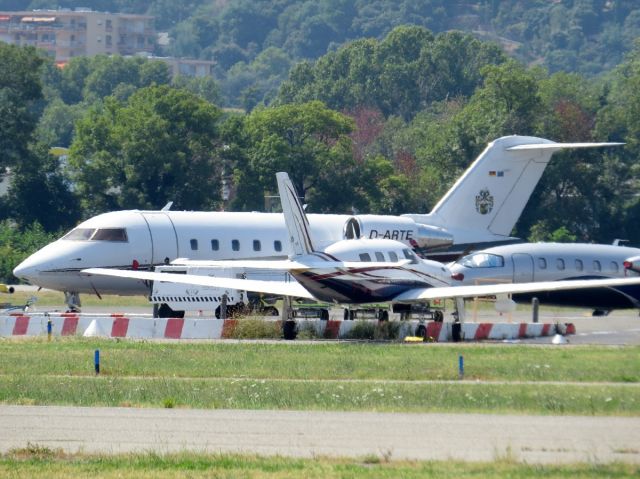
(27, 270)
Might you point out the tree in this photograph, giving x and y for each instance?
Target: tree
(20, 89)
(158, 146)
(309, 141)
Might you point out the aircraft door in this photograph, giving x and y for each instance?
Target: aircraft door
(164, 242)
(522, 268)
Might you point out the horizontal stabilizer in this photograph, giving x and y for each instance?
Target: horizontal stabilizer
(278, 288)
(559, 146)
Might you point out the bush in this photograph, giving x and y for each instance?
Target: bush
(372, 330)
(257, 329)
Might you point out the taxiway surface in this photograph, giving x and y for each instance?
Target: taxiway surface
(468, 437)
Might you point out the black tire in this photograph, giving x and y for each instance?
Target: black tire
(271, 311)
(438, 317)
(164, 311)
(421, 331)
(289, 330)
(346, 315)
(352, 315)
(324, 315)
(383, 315)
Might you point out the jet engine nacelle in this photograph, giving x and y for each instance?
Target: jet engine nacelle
(397, 228)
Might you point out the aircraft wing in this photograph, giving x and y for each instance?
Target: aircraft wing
(279, 288)
(421, 294)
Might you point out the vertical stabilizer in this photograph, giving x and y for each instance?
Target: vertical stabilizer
(294, 217)
(492, 193)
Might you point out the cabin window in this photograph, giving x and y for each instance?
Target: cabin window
(194, 244)
(379, 256)
(614, 267)
(560, 264)
(256, 245)
(277, 245)
(79, 234)
(542, 263)
(215, 245)
(110, 234)
(393, 256)
(365, 257)
(483, 260)
(235, 245)
(596, 265)
(579, 265)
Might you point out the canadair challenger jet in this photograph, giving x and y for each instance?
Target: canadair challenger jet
(479, 210)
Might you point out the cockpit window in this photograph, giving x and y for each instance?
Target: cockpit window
(101, 234)
(482, 260)
(79, 234)
(410, 255)
(110, 234)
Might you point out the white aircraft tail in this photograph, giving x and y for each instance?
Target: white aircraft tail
(294, 217)
(494, 190)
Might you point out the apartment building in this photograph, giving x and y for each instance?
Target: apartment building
(65, 33)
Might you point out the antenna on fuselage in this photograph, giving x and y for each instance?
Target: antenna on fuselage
(294, 217)
(167, 207)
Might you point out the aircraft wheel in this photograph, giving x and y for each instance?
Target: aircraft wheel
(438, 317)
(271, 311)
(324, 314)
(421, 331)
(383, 315)
(289, 330)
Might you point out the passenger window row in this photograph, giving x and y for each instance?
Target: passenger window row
(235, 245)
(579, 265)
(393, 256)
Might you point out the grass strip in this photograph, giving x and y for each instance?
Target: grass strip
(38, 462)
(286, 360)
(321, 395)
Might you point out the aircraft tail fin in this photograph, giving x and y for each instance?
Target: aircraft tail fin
(294, 217)
(492, 193)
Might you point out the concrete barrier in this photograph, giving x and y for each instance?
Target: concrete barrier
(147, 327)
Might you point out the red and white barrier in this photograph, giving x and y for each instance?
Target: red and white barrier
(144, 326)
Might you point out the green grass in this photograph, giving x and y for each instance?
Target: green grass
(48, 299)
(321, 360)
(38, 462)
(323, 376)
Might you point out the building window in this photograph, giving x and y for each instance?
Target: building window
(596, 265)
(194, 244)
(560, 264)
(235, 245)
(542, 263)
(277, 245)
(365, 257)
(256, 245)
(215, 245)
(579, 265)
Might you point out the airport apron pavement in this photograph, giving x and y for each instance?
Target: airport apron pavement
(468, 437)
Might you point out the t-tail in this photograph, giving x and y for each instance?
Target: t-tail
(492, 193)
(294, 217)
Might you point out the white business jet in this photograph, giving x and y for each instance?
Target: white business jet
(480, 209)
(526, 262)
(351, 271)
